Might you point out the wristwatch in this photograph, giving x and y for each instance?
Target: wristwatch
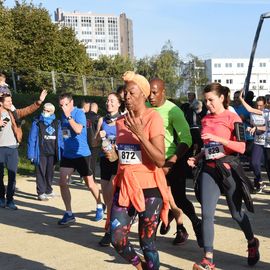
(69, 118)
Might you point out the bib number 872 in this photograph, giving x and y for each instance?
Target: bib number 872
(128, 155)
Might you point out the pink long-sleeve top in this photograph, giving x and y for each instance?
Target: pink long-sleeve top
(222, 125)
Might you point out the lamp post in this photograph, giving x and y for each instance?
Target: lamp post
(256, 38)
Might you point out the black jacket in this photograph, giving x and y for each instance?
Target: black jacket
(223, 173)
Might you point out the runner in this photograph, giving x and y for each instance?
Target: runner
(260, 119)
(177, 143)
(222, 172)
(107, 129)
(140, 184)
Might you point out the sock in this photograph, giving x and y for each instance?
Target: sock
(99, 206)
(69, 213)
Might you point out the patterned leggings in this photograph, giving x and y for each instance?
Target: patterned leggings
(120, 224)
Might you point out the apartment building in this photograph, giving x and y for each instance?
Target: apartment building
(101, 34)
(232, 72)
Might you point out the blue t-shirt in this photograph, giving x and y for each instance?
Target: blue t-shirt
(243, 112)
(75, 145)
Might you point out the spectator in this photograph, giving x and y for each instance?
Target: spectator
(44, 149)
(3, 85)
(10, 138)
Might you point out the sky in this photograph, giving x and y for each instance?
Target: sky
(204, 28)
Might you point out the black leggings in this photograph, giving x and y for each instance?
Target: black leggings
(210, 193)
(177, 180)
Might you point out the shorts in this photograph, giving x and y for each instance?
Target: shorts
(82, 165)
(107, 168)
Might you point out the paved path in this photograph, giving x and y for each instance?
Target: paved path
(31, 240)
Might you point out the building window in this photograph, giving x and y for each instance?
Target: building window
(217, 65)
(228, 65)
(262, 64)
(229, 81)
(262, 81)
(240, 65)
(217, 81)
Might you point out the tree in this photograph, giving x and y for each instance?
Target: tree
(8, 43)
(194, 73)
(43, 46)
(167, 68)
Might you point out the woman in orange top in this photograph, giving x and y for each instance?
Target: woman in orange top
(140, 184)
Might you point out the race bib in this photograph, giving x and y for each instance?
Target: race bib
(214, 150)
(267, 137)
(66, 133)
(259, 139)
(129, 153)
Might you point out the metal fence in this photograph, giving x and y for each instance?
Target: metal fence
(62, 82)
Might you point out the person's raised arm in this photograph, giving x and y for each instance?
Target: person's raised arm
(248, 107)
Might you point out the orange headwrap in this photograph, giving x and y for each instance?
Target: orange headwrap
(141, 81)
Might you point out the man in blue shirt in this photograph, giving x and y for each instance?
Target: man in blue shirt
(245, 116)
(76, 156)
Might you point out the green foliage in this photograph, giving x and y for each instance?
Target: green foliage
(35, 49)
(164, 66)
(32, 43)
(196, 75)
(7, 44)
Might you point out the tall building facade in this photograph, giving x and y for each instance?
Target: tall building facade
(101, 34)
(231, 72)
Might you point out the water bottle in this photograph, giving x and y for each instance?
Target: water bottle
(107, 147)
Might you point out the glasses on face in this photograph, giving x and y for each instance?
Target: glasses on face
(45, 110)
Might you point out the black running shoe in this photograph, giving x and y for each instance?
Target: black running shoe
(253, 252)
(181, 237)
(106, 240)
(164, 229)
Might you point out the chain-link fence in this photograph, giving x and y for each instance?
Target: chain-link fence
(61, 82)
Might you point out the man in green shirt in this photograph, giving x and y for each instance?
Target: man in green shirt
(177, 143)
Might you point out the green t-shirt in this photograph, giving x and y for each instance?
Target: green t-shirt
(173, 119)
